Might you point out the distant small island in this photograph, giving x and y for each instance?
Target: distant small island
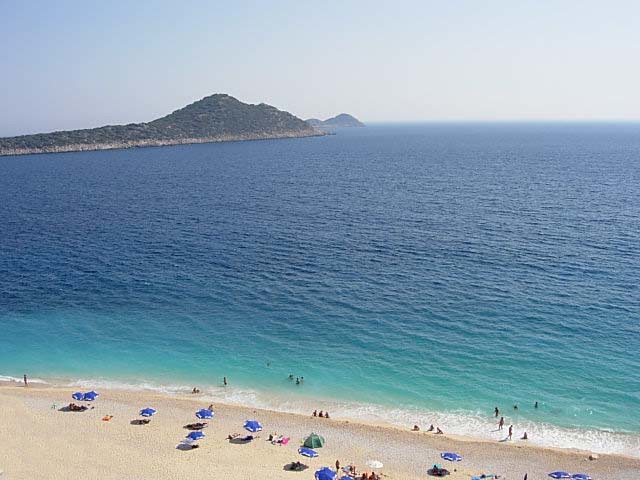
(216, 118)
(339, 121)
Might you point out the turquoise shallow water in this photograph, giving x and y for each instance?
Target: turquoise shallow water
(410, 273)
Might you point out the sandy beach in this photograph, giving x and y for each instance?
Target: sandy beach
(39, 441)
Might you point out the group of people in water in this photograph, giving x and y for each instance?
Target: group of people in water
(436, 430)
(197, 390)
(299, 380)
(320, 414)
(496, 412)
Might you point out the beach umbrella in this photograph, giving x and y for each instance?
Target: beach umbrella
(204, 414)
(307, 452)
(559, 475)
(326, 474)
(452, 457)
(77, 396)
(195, 435)
(375, 464)
(90, 396)
(252, 426)
(314, 441)
(580, 476)
(148, 412)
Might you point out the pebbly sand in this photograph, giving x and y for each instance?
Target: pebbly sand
(39, 442)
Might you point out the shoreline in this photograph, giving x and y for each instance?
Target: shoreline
(82, 147)
(27, 415)
(464, 426)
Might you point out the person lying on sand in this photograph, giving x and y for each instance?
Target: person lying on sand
(297, 466)
(196, 426)
(106, 418)
(77, 408)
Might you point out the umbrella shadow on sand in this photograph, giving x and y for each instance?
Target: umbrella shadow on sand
(295, 467)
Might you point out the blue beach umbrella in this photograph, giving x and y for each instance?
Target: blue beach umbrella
(326, 474)
(252, 426)
(90, 396)
(559, 475)
(204, 414)
(148, 412)
(197, 435)
(580, 476)
(77, 396)
(452, 457)
(307, 452)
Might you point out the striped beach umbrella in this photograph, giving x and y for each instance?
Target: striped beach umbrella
(204, 414)
(307, 452)
(452, 457)
(252, 426)
(195, 435)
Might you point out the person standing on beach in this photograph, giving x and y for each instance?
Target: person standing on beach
(510, 431)
(337, 465)
(501, 423)
(25, 379)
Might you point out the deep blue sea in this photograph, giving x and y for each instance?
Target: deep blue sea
(411, 273)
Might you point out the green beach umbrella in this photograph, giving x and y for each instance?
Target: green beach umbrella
(314, 441)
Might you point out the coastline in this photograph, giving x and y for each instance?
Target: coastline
(47, 443)
(6, 152)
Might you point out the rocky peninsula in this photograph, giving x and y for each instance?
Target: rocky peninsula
(216, 118)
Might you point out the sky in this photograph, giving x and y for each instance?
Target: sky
(70, 64)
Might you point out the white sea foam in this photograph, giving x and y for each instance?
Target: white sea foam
(8, 378)
(467, 424)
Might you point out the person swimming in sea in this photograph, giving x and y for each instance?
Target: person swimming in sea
(297, 381)
(535, 405)
(515, 407)
(291, 376)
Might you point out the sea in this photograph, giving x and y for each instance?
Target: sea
(409, 273)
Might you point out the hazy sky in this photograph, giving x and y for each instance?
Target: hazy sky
(69, 64)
